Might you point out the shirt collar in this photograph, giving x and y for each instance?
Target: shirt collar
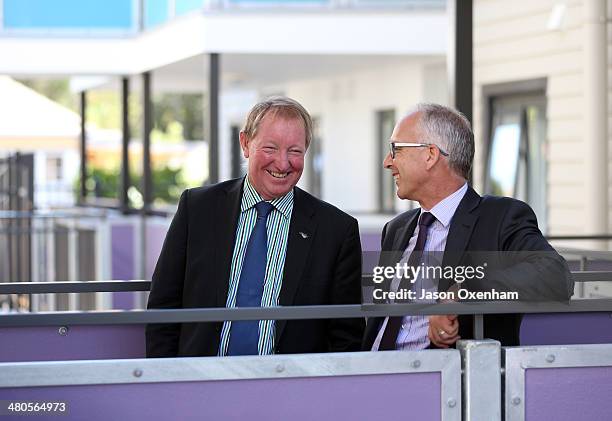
(250, 198)
(445, 209)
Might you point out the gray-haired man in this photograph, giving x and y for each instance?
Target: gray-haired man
(431, 153)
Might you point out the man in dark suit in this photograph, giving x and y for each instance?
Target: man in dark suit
(259, 241)
(431, 154)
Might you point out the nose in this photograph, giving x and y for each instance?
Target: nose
(388, 161)
(282, 162)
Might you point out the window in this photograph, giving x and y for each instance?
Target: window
(516, 165)
(67, 14)
(54, 169)
(238, 160)
(315, 160)
(385, 121)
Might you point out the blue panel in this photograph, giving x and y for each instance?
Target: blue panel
(155, 12)
(185, 6)
(68, 14)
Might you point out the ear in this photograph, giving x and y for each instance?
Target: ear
(433, 156)
(244, 144)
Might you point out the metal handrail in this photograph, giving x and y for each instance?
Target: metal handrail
(579, 237)
(28, 215)
(198, 315)
(590, 254)
(143, 285)
(73, 287)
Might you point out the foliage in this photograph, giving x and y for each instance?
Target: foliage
(57, 90)
(168, 184)
(175, 116)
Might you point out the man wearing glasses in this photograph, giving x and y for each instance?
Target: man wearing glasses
(430, 157)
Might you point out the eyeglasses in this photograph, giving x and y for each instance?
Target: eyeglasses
(394, 146)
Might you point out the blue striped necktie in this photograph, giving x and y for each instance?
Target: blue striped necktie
(244, 335)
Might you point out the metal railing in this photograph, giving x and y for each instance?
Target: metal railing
(144, 285)
(65, 245)
(279, 313)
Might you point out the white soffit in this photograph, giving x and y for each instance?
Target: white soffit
(334, 33)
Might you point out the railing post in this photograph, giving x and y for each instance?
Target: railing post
(481, 365)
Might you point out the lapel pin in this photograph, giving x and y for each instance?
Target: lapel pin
(303, 234)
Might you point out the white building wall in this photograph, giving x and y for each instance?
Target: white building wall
(513, 44)
(346, 106)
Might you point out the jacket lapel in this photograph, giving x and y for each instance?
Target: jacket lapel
(400, 242)
(226, 217)
(301, 233)
(402, 236)
(460, 232)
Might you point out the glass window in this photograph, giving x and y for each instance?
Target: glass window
(54, 169)
(155, 12)
(385, 121)
(505, 159)
(517, 147)
(239, 163)
(45, 14)
(315, 160)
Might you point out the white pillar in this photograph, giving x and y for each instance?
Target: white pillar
(596, 118)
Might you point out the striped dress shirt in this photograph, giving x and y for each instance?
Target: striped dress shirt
(277, 229)
(413, 333)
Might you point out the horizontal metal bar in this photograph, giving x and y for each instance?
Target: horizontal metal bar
(592, 276)
(24, 215)
(20, 233)
(579, 237)
(192, 315)
(591, 254)
(142, 285)
(73, 286)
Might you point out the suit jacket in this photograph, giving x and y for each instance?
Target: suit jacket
(193, 271)
(488, 224)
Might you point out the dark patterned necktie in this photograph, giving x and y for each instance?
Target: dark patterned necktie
(394, 323)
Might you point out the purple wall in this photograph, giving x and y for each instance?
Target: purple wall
(570, 394)
(370, 241)
(569, 328)
(155, 240)
(372, 397)
(123, 264)
(80, 343)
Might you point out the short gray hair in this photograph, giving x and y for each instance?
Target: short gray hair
(278, 106)
(451, 131)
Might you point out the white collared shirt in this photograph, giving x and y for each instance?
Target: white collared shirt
(413, 333)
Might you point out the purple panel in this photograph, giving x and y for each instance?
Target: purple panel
(373, 397)
(123, 263)
(569, 328)
(155, 240)
(370, 241)
(80, 343)
(568, 394)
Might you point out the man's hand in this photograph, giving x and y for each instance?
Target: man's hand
(443, 330)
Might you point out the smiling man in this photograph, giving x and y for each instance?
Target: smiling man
(430, 156)
(259, 241)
